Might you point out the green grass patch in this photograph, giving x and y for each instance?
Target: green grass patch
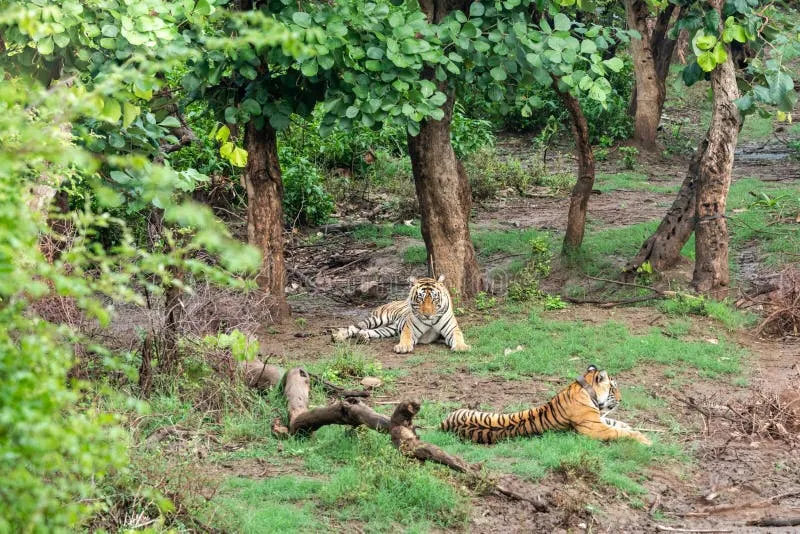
(350, 475)
(757, 128)
(383, 234)
(487, 243)
(631, 181)
(559, 348)
(722, 311)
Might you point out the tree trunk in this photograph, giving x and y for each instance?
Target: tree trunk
(445, 201)
(443, 190)
(711, 229)
(651, 59)
(663, 248)
(262, 178)
(579, 199)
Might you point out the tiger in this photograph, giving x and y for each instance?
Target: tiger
(424, 317)
(579, 406)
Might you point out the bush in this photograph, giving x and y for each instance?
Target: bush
(487, 173)
(305, 200)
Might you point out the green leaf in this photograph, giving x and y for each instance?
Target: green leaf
(561, 22)
(720, 55)
(120, 177)
(223, 134)
(588, 47)
(226, 149)
(251, 106)
(712, 20)
(248, 71)
(706, 61)
(498, 73)
(302, 19)
(112, 111)
(61, 40)
(734, 32)
(170, 122)
(109, 30)
(45, 46)
(476, 10)
(129, 113)
(230, 115)
(351, 112)
(373, 52)
(238, 157)
(309, 68)
(396, 19)
(615, 64)
(586, 83)
(704, 41)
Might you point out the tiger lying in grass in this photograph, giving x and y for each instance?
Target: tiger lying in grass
(578, 406)
(424, 317)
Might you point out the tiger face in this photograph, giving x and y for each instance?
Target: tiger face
(605, 388)
(428, 297)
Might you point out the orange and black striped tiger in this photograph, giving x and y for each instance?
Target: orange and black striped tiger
(424, 317)
(579, 406)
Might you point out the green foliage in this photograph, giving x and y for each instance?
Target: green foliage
(242, 346)
(554, 302)
(525, 285)
(629, 155)
(305, 200)
(683, 304)
(349, 363)
(469, 135)
(484, 302)
(487, 173)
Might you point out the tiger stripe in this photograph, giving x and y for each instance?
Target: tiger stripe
(425, 316)
(572, 408)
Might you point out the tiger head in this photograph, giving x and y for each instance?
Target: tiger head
(606, 394)
(429, 298)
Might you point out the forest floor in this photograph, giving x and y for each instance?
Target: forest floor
(701, 381)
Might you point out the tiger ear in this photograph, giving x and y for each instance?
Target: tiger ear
(412, 280)
(591, 368)
(441, 278)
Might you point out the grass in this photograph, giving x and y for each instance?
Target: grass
(487, 243)
(558, 348)
(347, 476)
(722, 311)
(382, 235)
(631, 181)
(756, 128)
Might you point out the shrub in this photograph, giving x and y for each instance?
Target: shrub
(487, 173)
(629, 155)
(305, 200)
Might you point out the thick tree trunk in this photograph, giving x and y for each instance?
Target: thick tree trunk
(711, 229)
(651, 59)
(579, 199)
(262, 178)
(663, 248)
(445, 201)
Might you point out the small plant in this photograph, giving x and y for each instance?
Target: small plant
(644, 273)
(242, 346)
(349, 364)
(484, 302)
(601, 154)
(487, 173)
(305, 200)
(525, 285)
(629, 155)
(765, 201)
(554, 302)
(301, 322)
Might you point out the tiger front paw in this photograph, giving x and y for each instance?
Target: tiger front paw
(362, 337)
(461, 347)
(401, 348)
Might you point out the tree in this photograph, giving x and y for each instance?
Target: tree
(76, 80)
(652, 53)
(700, 204)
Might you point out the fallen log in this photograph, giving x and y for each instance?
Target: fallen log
(775, 522)
(348, 411)
(261, 375)
(353, 412)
